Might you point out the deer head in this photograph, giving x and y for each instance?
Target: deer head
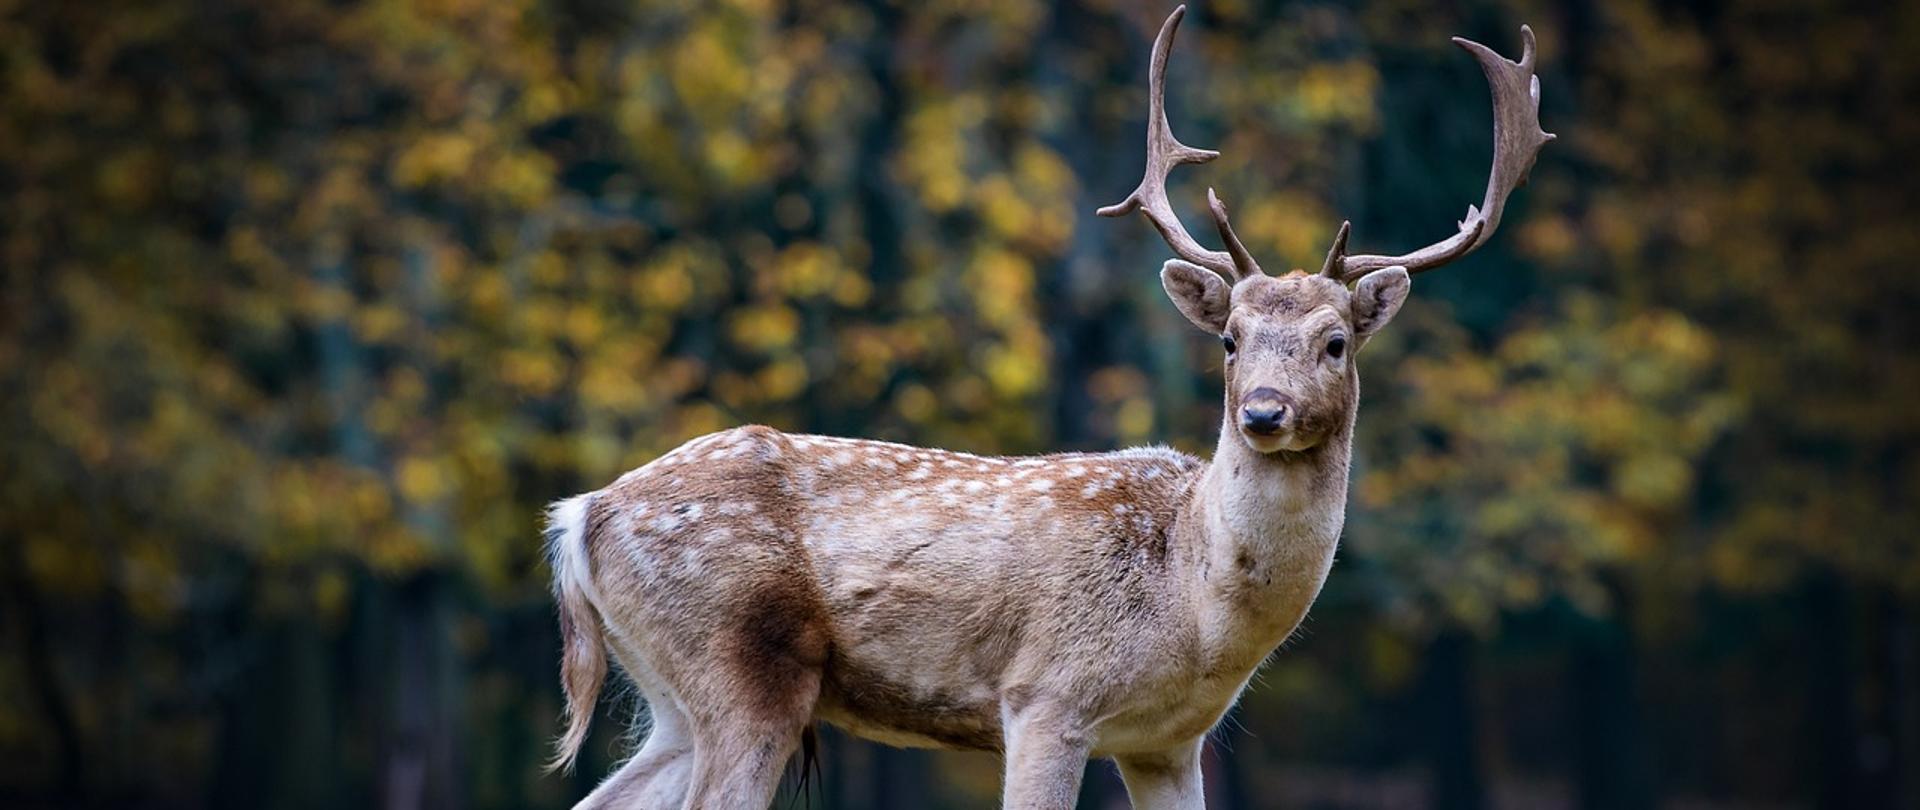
(1290, 340)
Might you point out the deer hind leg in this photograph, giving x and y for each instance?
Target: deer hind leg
(658, 774)
(740, 756)
(755, 697)
(738, 643)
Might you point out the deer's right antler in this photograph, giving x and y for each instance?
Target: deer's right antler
(1163, 153)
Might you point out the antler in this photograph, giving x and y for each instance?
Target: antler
(1517, 139)
(1163, 153)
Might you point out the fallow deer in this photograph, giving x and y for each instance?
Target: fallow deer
(752, 583)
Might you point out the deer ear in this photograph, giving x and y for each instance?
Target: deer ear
(1377, 297)
(1199, 293)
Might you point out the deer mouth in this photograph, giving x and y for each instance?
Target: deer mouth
(1291, 439)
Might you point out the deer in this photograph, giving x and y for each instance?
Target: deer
(752, 583)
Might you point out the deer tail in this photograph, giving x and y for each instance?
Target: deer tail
(583, 662)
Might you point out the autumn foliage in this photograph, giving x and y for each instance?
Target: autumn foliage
(309, 307)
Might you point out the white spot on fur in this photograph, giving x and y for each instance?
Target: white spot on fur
(1041, 485)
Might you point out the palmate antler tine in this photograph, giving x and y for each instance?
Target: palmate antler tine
(1163, 153)
(1517, 139)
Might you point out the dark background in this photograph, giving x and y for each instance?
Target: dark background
(310, 305)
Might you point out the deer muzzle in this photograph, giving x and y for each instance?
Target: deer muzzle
(1267, 412)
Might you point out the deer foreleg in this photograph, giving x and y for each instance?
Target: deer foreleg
(1046, 754)
(1165, 781)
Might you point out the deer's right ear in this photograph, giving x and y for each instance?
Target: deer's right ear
(1200, 294)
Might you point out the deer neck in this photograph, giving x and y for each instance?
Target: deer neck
(1268, 525)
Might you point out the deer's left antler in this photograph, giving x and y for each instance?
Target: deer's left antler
(1517, 139)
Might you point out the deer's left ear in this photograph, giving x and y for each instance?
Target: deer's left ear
(1377, 297)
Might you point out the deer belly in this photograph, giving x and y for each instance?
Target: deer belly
(922, 627)
(899, 712)
(913, 674)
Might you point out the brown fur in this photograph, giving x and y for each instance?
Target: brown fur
(752, 582)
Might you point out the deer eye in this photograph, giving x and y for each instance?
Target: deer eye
(1227, 341)
(1337, 346)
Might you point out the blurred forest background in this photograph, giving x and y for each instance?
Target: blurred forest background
(310, 306)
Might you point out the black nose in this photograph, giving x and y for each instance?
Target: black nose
(1263, 420)
(1265, 411)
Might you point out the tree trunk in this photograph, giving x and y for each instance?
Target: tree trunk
(1100, 786)
(1829, 707)
(297, 702)
(1225, 786)
(421, 769)
(900, 777)
(1452, 732)
(43, 683)
(1903, 677)
(1610, 766)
